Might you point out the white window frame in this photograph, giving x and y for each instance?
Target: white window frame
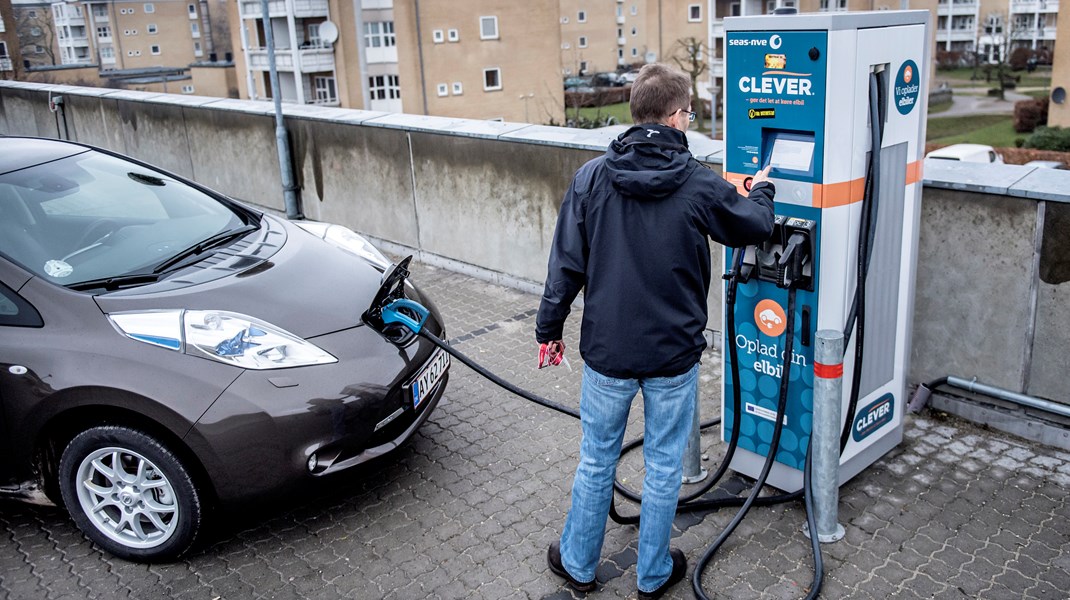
(635, 10)
(99, 11)
(149, 8)
(107, 52)
(583, 67)
(489, 19)
(437, 36)
(155, 50)
(195, 30)
(325, 89)
(103, 31)
(635, 52)
(458, 89)
(453, 35)
(691, 8)
(192, 10)
(496, 88)
(197, 49)
(635, 31)
(376, 31)
(582, 43)
(388, 86)
(581, 16)
(443, 90)
(188, 89)
(151, 29)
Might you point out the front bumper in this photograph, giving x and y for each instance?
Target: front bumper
(261, 433)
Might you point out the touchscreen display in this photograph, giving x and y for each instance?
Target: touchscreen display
(792, 155)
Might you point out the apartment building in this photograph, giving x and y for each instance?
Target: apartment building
(1059, 107)
(9, 41)
(605, 35)
(480, 59)
(35, 32)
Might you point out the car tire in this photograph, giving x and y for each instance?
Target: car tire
(148, 511)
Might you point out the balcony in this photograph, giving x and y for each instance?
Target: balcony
(310, 60)
(966, 7)
(717, 28)
(956, 34)
(303, 9)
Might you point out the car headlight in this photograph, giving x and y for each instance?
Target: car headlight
(346, 239)
(227, 337)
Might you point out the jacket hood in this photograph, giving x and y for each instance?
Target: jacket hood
(649, 161)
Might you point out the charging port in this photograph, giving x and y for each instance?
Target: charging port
(786, 259)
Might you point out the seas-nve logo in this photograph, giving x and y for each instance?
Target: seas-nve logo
(770, 318)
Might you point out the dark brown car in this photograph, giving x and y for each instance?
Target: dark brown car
(165, 350)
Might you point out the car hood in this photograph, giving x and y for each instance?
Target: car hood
(281, 274)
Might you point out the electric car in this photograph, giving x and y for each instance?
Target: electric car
(166, 351)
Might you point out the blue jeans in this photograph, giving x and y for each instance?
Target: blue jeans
(668, 408)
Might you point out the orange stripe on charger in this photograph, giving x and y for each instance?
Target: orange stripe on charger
(830, 195)
(915, 172)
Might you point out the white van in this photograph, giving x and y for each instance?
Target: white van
(978, 153)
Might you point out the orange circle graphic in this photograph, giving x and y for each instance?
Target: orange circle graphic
(770, 318)
(908, 74)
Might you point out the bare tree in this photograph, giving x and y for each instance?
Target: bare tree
(27, 21)
(691, 56)
(1000, 36)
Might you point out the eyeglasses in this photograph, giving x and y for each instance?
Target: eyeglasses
(690, 115)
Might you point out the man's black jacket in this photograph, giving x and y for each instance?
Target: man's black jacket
(634, 230)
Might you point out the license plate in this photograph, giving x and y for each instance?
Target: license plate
(429, 377)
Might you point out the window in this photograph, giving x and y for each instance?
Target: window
(192, 10)
(437, 36)
(379, 34)
(443, 89)
(16, 311)
(733, 9)
(197, 49)
(564, 20)
(581, 16)
(187, 89)
(107, 52)
(694, 13)
(104, 31)
(384, 87)
(150, 8)
(195, 29)
(453, 36)
(488, 28)
(151, 29)
(635, 10)
(99, 11)
(635, 31)
(565, 45)
(325, 90)
(32, 14)
(457, 88)
(583, 67)
(155, 49)
(620, 52)
(635, 51)
(3, 49)
(492, 79)
(583, 41)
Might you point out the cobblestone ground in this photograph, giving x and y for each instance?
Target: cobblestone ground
(468, 507)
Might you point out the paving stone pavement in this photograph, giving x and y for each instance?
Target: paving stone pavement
(468, 507)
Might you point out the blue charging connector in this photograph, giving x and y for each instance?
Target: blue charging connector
(392, 314)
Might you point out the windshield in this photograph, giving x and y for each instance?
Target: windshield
(93, 216)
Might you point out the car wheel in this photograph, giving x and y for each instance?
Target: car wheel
(130, 494)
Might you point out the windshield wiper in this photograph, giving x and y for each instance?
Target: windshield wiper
(216, 240)
(116, 282)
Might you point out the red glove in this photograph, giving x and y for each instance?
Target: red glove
(551, 354)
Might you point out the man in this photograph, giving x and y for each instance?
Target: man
(634, 232)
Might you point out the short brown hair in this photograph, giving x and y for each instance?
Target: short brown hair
(658, 91)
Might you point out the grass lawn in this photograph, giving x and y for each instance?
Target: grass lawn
(939, 107)
(994, 130)
(618, 111)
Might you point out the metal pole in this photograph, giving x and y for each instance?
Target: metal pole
(693, 471)
(828, 397)
(282, 139)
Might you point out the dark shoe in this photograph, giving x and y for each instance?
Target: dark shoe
(679, 569)
(553, 559)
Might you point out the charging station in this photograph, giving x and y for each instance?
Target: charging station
(800, 92)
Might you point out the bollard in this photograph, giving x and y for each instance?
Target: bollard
(693, 471)
(828, 396)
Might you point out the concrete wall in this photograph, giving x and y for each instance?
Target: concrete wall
(993, 274)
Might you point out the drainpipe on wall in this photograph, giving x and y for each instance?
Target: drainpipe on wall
(420, 54)
(282, 139)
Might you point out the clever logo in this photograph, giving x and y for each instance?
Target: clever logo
(770, 318)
